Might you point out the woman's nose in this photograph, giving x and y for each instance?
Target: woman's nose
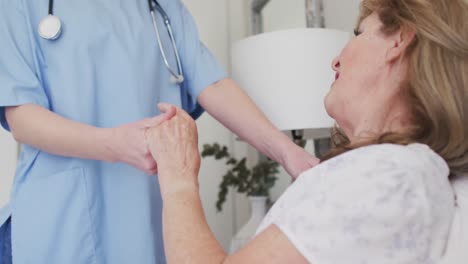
(335, 64)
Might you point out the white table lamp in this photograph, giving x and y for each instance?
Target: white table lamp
(288, 74)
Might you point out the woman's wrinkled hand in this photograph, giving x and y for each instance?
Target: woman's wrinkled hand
(174, 146)
(128, 143)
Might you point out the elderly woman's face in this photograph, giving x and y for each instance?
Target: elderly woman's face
(362, 69)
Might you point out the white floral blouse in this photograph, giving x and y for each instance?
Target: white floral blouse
(376, 204)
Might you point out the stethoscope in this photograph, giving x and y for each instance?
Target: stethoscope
(50, 28)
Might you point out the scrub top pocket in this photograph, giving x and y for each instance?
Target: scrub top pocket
(53, 212)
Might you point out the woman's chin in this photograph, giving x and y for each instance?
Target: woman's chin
(328, 104)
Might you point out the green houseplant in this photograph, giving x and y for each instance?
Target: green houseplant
(255, 181)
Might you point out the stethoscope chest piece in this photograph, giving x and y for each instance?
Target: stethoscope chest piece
(50, 27)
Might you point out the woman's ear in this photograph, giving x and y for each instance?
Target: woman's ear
(399, 42)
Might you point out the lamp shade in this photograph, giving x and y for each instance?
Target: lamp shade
(288, 74)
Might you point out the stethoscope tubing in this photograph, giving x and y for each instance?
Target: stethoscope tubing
(177, 77)
(158, 38)
(51, 7)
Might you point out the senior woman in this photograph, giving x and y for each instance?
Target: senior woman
(383, 194)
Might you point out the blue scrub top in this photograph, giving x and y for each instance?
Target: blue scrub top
(105, 70)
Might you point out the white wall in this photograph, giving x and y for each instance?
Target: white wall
(284, 14)
(8, 154)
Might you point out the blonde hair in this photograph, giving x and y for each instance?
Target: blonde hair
(436, 88)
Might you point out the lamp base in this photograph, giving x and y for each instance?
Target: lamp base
(322, 145)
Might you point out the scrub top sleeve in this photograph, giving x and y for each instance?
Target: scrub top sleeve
(19, 82)
(200, 66)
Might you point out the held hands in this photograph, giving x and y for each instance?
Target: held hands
(174, 146)
(168, 144)
(128, 142)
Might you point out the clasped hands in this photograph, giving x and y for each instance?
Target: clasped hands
(174, 146)
(166, 144)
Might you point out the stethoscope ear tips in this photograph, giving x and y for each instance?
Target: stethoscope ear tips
(50, 27)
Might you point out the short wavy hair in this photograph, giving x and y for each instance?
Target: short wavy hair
(436, 87)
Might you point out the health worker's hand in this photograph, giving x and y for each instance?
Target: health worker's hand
(128, 142)
(174, 146)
